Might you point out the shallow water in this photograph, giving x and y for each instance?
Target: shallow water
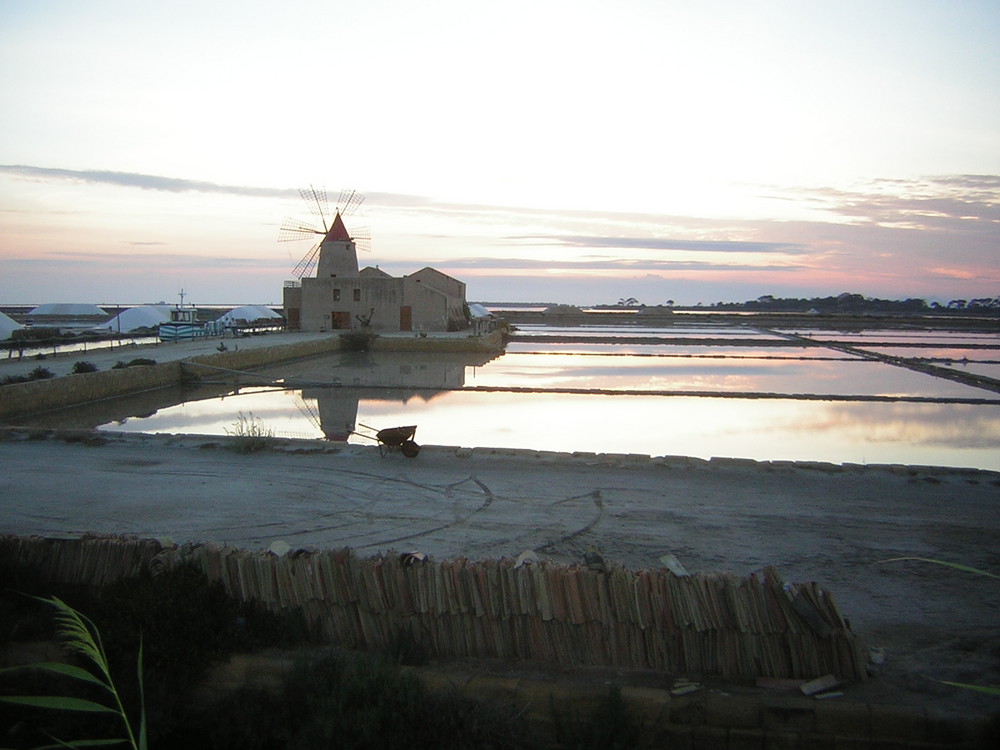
(944, 434)
(745, 375)
(788, 402)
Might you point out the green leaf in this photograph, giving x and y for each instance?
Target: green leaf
(59, 668)
(988, 689)
(78, 633)
(143, 740)
(64, 703)
(956, 566)
(83, 743)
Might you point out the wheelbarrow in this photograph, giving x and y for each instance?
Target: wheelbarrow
(394, 437)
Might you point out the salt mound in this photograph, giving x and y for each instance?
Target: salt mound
(7, 326)
(248, 314)
(146, 316)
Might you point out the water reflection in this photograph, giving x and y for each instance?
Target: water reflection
(331, 397)
(707, 351)
(747, 375)
(327, 407)
(900, 337)
(938, 352)
(772, 429)
(762, 429)
(666, 332)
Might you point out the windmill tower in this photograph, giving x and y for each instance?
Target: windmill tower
(335, 255)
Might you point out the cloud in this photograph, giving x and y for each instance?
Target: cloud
(142, 181)
(147, 261)
(953, 273)
(655, 243)
(179, 185)
(946, 202)
(631, 265)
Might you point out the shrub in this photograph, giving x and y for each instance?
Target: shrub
(40, 373)
(356, 703)
(138, 362)
(183, 622)
(84, 367)
(357, 341)
(610, 725)
(249, 434)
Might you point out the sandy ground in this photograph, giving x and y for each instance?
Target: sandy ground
(814, 522)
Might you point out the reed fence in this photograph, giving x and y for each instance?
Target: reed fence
(706, 624)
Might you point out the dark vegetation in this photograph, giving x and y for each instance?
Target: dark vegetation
(608, 726)
(43, 373)
(351, 702)
(330, 699)
(186, 625)
(358, 341)
(857, 303)
(137, 362)
(81, 366)
(845, 303)
(39, 373)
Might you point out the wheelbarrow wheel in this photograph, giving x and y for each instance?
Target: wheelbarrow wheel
(409, 449)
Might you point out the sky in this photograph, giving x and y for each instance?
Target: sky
(546, 151)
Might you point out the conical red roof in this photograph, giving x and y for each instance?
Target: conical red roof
(338, 232)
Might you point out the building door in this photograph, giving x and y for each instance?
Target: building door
(294, 321)
(406, 318)
(340, 320)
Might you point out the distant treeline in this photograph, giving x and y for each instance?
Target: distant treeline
(857, 303)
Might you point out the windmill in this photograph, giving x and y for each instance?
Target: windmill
(294, 230)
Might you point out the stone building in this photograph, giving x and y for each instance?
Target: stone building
(341, 297)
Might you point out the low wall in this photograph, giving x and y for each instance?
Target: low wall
(718, 625)
(22, 399)
(490, 342)
(244, 359)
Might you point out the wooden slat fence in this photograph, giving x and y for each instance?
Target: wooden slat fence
(708, 624)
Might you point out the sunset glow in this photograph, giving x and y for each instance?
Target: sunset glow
(554, 151)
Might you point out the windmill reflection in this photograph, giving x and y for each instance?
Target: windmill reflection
(377, 376)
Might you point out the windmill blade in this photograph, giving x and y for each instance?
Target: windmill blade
(308, 263)
(315, 199)
(309, 412)
(293, 229)
(363, 239)
(349, 202)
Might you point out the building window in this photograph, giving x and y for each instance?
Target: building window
(357, 295)
(336, 295)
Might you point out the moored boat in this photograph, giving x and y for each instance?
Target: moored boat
(183, 324)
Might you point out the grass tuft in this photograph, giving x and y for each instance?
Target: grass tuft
(249, 434)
